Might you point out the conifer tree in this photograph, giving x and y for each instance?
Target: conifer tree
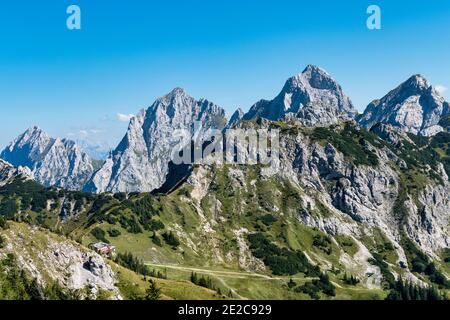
(153, 292)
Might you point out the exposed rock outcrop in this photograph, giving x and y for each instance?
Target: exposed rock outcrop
(48, 257)
(8, 173)
(341, 198)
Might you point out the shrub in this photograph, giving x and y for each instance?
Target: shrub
(120, 196)
(353, 281)
(408, 291)
(310, 289)
(280, 260)
(291, 284)
(202, 281)
(171, 239)
(323, 243)
(129, 261)
(268, 219)
(134, 227)
(114, 233)
(3, 223)
(130, 224)
(351, 142)
(156, 240)
(154, 225)
(316, 286)
(99, 234)
(153, 292)
(8, 208)
(420, 263)
(2, 242)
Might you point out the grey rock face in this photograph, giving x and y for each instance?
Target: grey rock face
(428, 220)
(368, 194)
(99, 151)
(414, 106)
(53, 162)
(389, 133)
(365, 194)
(64, 262)
(141, 161)
(313, 97)
(235, 118)
(358, 198)
(8, 173)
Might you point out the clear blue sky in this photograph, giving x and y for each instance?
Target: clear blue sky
(234, 52)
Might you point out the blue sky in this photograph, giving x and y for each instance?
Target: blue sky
(74, 83)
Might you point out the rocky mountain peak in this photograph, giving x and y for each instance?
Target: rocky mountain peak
(177, 94)
(415, 85)
(313, 97)
(34, 131)
(417, 81)
(52, 161)
(312, 78)
(318, 78)
(311, 68)
(27, 147)
(141, 161)
(415, 106)
(179, 105)
(235, 117)
(177, 91)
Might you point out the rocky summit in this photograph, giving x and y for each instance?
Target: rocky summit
(52, 161)
(354, 207)
(141, 161)
(313, 97)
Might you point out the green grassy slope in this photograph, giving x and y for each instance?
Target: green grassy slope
(182, 231)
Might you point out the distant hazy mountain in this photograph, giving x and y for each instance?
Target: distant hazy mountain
(414, 106)
(313, 97)
(96, 150)
(52, 161)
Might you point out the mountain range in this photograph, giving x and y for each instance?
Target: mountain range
(356, 207)
(140, 162)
